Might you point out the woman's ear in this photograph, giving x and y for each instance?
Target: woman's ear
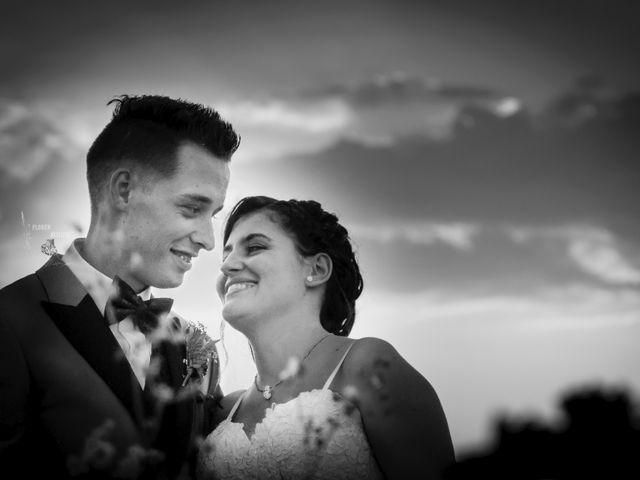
(321, 267)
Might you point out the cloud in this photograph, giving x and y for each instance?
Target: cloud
(594, 250)
(494, 265)
(274, 128)
(456, 235)
(493, 257)
(397, 104)
(400, 87)
(315, 117)
(448, 214)
(500, 169)
(375, 112)
(28, 142)
(602, 259)
(588, 98)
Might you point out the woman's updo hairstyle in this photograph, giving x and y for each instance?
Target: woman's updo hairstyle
(314, 231)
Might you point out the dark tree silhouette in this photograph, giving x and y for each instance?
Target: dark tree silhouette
(598, 437)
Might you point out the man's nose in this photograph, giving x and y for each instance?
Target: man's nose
(204, 235)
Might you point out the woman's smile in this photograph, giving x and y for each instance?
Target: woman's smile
(238, 287)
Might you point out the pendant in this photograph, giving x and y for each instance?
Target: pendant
(267, 392)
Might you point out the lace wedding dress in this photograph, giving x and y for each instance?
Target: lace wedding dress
(316, 435)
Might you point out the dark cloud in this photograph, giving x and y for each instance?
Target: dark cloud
(399, 88)
(589, 98)
(496, 169)
(495, 264)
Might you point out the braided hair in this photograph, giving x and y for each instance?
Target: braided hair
(314, 230)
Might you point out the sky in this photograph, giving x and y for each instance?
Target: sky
(483, 156)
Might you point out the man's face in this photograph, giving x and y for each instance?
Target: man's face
(170, 219)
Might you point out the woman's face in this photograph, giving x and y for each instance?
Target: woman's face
(262, 273)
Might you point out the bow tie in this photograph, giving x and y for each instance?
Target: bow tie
(144, 314)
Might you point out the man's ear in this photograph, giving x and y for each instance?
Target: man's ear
(321, 267)
(120, 186)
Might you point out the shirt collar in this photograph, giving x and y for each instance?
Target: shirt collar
(97, 284)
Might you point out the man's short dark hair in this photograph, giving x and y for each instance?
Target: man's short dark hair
(147, 130)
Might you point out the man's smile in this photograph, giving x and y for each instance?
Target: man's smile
(184, 256)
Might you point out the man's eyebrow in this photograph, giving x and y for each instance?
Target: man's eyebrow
(194, 197)
(247, 239)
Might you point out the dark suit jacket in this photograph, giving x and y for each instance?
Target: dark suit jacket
(67, 392)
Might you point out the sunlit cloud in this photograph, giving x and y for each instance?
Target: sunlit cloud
(602, 257)
(595, 250)
(275, 129)
(316, 117)
(398, 104)
(457, 235)
(505, 107)
(374, 112)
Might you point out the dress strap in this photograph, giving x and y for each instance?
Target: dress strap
(335, 370)
(236, 405)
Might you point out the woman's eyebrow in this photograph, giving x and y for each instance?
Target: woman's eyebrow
(252, 236)
(246, 239)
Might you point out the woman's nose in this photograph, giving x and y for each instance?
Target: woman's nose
(230, 264)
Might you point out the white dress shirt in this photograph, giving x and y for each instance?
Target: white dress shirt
(134, 344)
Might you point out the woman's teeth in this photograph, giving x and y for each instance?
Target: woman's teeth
(238, 286)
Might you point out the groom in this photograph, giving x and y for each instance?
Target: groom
(88, 388)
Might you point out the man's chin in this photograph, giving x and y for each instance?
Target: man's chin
(168, 281)
(173, 283)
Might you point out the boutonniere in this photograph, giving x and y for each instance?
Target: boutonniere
(200, 352)
(49, 247)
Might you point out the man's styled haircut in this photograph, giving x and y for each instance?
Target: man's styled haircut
(146, 132)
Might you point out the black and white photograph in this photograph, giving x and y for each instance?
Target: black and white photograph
(366, 239)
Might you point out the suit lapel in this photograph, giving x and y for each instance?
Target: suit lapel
(75, 314)
(174, 437)
(171, 357)
(175, 353)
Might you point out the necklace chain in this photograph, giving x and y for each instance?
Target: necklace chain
(268, 389)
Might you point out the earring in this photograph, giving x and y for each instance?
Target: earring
(309, 278)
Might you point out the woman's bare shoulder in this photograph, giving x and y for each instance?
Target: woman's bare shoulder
(372, 361)
(369, 351)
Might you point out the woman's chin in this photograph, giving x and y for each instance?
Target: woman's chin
(234, 316)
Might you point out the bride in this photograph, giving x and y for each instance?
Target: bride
(321, 405)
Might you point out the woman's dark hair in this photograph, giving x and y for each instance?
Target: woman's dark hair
(314, 231)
